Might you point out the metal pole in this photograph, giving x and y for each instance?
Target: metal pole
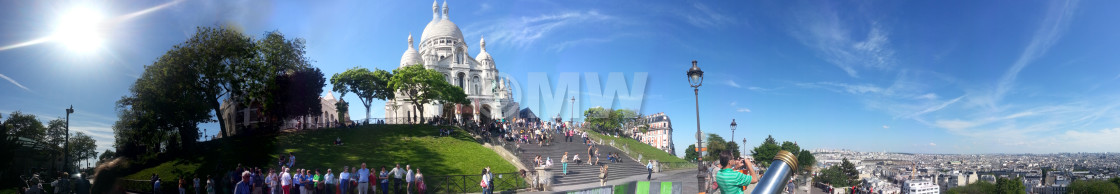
(66, 150)
(699, 154)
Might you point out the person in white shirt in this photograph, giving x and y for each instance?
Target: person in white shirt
(397, 173)
(344, 180)
(363, 180)
(328, 180)
(408, 179)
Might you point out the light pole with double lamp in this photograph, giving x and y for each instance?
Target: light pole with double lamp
(695, 78)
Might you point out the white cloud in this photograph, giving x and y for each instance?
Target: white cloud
(704, 16)
(525, 31)
(14, 82)
(733, 103)
(822, 29)
(732, 84)
(743, 110)
(1053, 26)
(932, 144)
(886, 127)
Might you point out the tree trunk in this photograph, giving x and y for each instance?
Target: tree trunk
(217, 106)
(367, 114)
(420, 113)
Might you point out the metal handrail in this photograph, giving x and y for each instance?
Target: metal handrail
(470, 183)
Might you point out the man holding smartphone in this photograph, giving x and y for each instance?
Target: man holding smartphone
(731, 181)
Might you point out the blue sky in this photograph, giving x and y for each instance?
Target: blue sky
(904, 76)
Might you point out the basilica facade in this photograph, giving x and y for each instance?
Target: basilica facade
(443, 49)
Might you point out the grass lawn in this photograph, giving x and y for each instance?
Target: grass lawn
(636, 147)
(417, 145)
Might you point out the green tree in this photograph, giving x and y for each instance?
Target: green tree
(1004, 185)
(343, 109)
(848, 169)
(791, 147)
(274, 56)
(610, 121)
(422, 86)
(834, 176)
(298, 94)
(765, 152)
(734, 147)
(211, 57)
(979, 187)
(56, 137)
(7, 146)
(716, 144)
(690, 153)
(26, 126)
(106, 156)
(82, 147)
(805, 161)
(367, 85)
(1093, 186)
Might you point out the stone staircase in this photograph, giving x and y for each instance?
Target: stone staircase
(579, 173)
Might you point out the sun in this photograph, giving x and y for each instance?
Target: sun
(79, 29)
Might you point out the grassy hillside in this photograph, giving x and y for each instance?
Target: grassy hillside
(418, 145)
(635, 147)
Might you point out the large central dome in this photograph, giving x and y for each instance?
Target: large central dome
(441, 27)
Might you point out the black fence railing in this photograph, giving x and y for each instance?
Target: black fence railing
(472, 183)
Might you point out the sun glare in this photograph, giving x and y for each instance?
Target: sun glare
(80, 30)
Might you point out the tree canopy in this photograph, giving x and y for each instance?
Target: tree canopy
(420, 86)
(366, 84)
(610, 121)
(716, 145)
(25, 125)
(690, 153)
(765, 152)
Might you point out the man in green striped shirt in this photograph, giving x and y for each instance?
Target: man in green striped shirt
(731, 181)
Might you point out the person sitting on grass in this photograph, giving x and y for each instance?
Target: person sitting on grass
(338, 141)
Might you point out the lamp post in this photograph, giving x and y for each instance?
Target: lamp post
(733, 125)
(572, 115)
(695, 78)
(66, 151)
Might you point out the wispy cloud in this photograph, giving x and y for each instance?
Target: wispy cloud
(932, 144)
(886, 127)
(1055, 23)
(525, 31)
(743, 110)
(705, 17)
(834, 40)
(15, 82)
(732, 84)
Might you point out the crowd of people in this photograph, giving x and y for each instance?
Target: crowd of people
(287, 179)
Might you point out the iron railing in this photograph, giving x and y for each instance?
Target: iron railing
(471, 183)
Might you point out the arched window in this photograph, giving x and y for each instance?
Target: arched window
(477, 89)
(461, 77)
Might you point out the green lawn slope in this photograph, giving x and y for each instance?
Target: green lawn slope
(377, 145)
(636, 148)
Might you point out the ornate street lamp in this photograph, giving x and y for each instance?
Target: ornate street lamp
(572, 115)
(695, 78)
(733, 125)
(67, 149)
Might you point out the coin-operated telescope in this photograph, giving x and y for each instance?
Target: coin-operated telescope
(778, 174)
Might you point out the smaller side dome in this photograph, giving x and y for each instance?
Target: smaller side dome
(410, 57)
(483, 56)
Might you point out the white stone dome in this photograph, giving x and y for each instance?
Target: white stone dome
(483, 55)
(410, 57)
(442, 28)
